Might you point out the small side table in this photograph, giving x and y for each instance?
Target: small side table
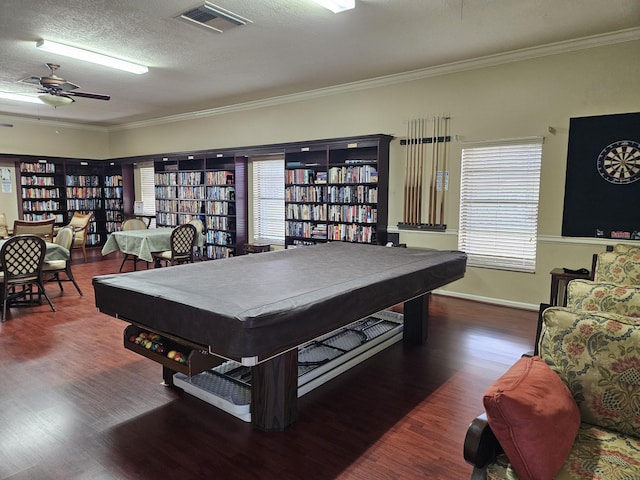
(559, 281)
(256, 248)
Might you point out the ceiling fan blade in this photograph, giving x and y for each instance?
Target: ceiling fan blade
(66, 86)
(95, 96)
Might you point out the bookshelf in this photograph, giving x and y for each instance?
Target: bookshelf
(211, 188)
(42, 190)
(337, 190)
(60, 187)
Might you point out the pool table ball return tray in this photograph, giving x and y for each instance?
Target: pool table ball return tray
(261, 311)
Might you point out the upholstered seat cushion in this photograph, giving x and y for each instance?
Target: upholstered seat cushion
(598, 356)
(589, 296)
(534, 417)
(597, 454)
(620, 267)
(54, 265)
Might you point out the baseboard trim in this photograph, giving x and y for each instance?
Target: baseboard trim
(492, 301)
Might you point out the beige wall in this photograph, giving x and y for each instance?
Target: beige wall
(517, 99)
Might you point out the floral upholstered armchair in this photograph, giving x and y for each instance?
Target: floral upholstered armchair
(621, 265)
(573, 411)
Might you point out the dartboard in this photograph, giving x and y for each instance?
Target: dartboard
(619, 162)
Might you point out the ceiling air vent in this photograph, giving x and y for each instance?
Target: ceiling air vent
(213, 17)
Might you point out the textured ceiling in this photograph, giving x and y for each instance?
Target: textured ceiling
(292, 46)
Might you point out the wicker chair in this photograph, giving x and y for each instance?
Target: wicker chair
(64, 238)
(22, 258)
(183, 241)
(40, 228)
(4, 227)
(80, 223)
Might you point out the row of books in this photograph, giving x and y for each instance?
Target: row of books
(221, 223)
(40, 193)
(306, 229)
(216, 251)
(84, 192)
(353, 213)
(113, 181)
(113, 204)
(352, 233)
(36, 217)
(113, 192)
(309, 193)
(191, 193)
(89, 204)
(165, 192)
(221, 193)
(302, 176)
(82, 180)
(189, 178)
(222, 177)
(113, 216)
(37, 167)
(112, 226)
(190, 206)
(41, 206)
(220, 208)
(220, 238)
(296, 211)
(353, 194)
(166, 205)
(41, 181)
(359, 174)
(166, 178)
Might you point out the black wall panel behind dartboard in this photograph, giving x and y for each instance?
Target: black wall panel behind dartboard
(602, 186)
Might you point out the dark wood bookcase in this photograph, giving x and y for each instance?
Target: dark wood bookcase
(60, 187)
(210, 187)
(337, 190)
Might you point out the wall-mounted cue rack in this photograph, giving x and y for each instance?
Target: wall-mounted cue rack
(426, 174)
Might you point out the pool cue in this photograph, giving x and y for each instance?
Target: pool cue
(414, 150)
(420, 167)
(432, 177)
(444, 166)
(406, 177)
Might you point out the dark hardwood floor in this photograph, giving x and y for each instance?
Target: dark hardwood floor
(74, 404)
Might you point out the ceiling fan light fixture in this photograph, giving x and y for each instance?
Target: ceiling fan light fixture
(20, 98)
(55, 100)
(87, 56)
(337, 6)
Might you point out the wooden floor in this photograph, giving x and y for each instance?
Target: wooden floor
(74, 404)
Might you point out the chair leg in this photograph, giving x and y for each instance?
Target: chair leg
(57, 278)
(84, 252)
(126, 255)
(70, 275)
(44, 292)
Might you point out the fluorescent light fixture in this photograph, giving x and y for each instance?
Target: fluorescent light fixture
(337, 6)
(20, 98)
(78, 53)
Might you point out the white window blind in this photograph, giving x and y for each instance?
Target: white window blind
(148, 190)
(499, 194)
(268, 200)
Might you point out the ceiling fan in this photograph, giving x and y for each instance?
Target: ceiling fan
(56, 91)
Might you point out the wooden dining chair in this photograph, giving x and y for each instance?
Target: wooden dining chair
(132, 224)
(22, 258)
(54, 268)
(80, 222)
(40, 228)
(183, 241)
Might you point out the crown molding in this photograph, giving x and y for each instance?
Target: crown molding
(556, 48)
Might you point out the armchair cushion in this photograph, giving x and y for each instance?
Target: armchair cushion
(598, 356)
(534, 417)
(589, 296)
(619, 266)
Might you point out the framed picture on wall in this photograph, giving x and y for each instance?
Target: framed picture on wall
(602, 184)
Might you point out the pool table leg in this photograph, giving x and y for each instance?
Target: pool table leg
(274, 392)
(416, 320)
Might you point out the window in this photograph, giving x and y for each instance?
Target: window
(268, 200)
(147, 190)
(499, 192)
